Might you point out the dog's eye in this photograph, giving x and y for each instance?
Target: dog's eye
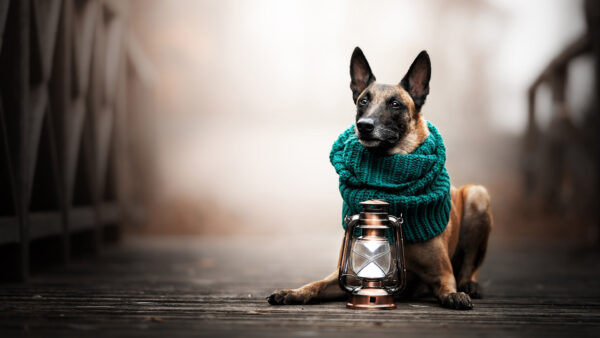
(362, 102)
(396, 105)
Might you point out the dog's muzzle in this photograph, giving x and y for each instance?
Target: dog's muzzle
(371, 135)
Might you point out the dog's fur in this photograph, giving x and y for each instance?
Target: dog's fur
(389, 121)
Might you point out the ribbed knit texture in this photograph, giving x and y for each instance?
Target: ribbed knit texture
(416, 185)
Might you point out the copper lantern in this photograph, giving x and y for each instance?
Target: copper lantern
(371, 265)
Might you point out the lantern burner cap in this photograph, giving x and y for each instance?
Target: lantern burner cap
(375, 206)
(374, 214)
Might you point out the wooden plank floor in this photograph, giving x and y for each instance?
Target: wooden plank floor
(217, 288)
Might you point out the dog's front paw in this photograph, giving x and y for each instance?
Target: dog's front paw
(473, 289)
(288, 297)
(457, 301)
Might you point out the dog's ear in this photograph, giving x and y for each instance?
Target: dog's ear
(360, 73)
(416, 80)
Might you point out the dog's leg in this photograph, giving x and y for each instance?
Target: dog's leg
(327, 289)
(472, 244)
(430, 261)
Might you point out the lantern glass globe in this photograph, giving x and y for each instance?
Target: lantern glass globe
(371, 258)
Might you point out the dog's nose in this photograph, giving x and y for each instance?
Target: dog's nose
(365, 125)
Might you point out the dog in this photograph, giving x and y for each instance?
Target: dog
(389, 121)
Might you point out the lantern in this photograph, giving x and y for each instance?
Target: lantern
(371, 264)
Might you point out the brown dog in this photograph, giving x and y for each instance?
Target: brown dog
(389, 121)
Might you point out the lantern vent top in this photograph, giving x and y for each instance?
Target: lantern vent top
(374, 214)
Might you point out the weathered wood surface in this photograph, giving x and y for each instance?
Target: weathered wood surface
(217, 287)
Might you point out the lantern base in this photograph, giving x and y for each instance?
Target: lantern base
(371, 302)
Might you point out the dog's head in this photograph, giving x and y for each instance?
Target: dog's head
(388, 117)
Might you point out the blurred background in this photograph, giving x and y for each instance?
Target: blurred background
(250, 95)
(216, 118)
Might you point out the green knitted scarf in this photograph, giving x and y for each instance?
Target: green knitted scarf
(416, 185)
